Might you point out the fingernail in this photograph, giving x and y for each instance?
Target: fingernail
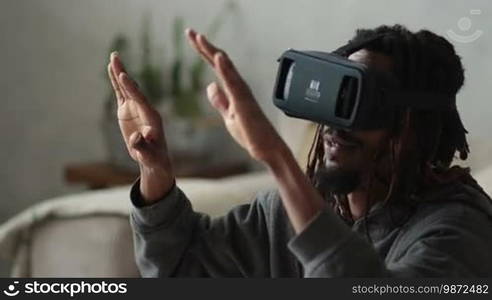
(212, 90)
(123, 77)
(201, 37)
(220, 57)
(114, 54)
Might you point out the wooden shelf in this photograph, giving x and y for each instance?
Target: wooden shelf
(98, 175)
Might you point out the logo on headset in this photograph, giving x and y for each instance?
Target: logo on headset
(11, 290)
(312, 93)
(465, 24)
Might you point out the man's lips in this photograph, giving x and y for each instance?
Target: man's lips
(337, 141)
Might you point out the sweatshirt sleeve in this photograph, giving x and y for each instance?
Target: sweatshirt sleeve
(172, 240)
(327, 247)
(441, 245)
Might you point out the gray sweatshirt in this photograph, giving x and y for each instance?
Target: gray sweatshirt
(445, 233)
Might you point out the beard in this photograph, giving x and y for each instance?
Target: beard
(335, 180)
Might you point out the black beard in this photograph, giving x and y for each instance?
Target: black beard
(336, 181)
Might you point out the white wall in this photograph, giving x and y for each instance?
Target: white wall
(53, 54)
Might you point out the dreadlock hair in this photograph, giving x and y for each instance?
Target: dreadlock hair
(422, 144)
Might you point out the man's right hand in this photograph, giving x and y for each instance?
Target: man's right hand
(141, 127)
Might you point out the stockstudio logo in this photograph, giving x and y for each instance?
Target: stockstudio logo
(11, 290)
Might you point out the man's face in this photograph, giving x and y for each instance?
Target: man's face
(349, 154)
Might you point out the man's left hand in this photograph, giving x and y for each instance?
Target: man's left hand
(235, 102)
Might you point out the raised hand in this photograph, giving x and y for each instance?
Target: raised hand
(241, 113)
(141, 127)
(252, 130)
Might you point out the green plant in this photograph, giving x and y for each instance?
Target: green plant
(150, 76)
(151, 79)
(186, 98)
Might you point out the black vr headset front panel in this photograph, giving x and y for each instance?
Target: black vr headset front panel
(330, 89)
(319, 87)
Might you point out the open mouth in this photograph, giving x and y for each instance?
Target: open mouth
(339, 139)
(336, 141)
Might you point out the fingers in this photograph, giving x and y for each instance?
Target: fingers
(234, 84)
(217, 98)
(147, 113)
(192, 39)
(149, 134)
(130, 87)
(145, 148)
(122, 83)
(116, 64)
(235, 87)
(116, 86)
(207, 47)
(127, 87)
(116, 68)
(145, 135)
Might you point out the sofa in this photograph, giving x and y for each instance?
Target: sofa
(88, 234)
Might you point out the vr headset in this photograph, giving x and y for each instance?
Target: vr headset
(330, 89)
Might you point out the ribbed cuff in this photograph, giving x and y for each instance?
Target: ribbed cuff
(158, 213)
(321, 238)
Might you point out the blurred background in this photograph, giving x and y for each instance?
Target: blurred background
(58, 134)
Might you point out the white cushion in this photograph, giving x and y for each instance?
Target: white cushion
(88, 234)
(95, 246)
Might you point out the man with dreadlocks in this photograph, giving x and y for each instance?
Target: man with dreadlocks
(374, 203)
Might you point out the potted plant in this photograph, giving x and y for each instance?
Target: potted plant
(191, 131)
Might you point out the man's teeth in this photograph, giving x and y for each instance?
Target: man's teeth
(337, 144)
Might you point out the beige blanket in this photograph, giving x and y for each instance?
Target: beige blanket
(214, 197)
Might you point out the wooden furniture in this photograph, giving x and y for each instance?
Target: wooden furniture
(98, 175)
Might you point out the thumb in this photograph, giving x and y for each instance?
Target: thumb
(143, 150)
(150, 135)
(137, 142)
(217, 98)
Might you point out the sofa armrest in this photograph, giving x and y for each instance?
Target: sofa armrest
(89, 235)
(95, 246)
